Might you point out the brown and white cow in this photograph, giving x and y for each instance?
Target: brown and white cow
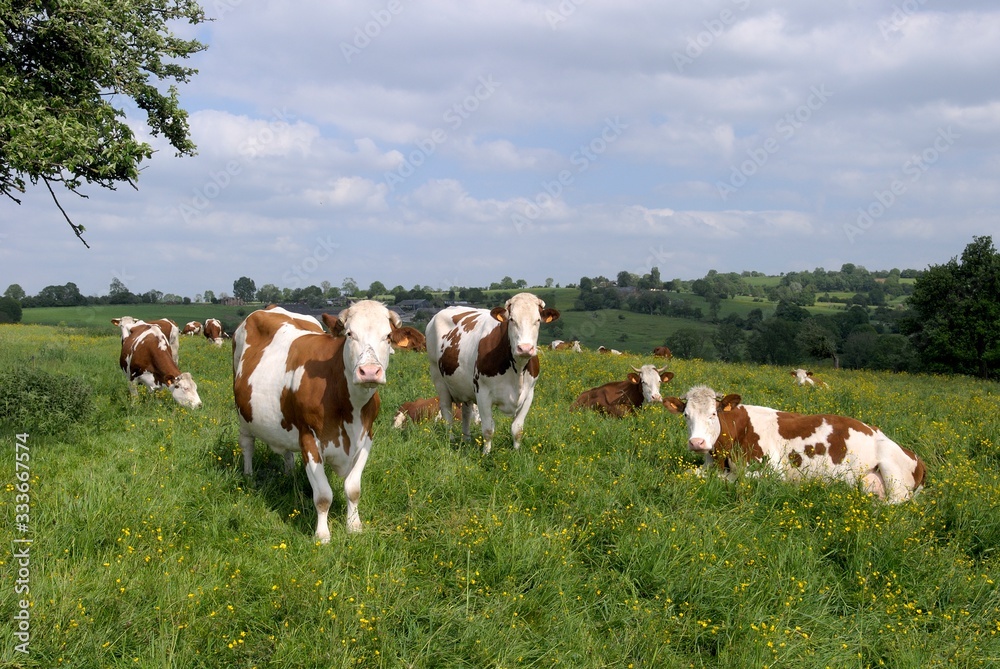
(662, 352)
(806, 378)
(192, 328)
(797, 446)
(146, 358)
(167, 326)
(427, 408)
(610, 351)
(622, 398)
(213, 331)
(489, 357)
(409, 338)
(560, 345)
(301, 389)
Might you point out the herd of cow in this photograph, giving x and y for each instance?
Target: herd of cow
(304, 388)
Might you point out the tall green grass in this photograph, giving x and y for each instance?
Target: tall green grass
(593, 546)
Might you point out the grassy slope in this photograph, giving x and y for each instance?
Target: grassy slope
(594, 546)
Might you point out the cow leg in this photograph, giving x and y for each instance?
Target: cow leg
(246, 445)
(352, 490)
(289, 461)
(486, 420)
(523, 405)
(322, 492)
(467, 420)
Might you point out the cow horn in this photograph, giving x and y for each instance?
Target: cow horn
(638, 369)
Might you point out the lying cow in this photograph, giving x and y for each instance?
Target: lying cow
(560, 345)
(610, 351)
(797, 446)
(424, 409)
(806, 378)
(662, 352)
(146, 358)
(622, 398)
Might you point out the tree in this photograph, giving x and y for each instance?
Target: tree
(349, 287)
(15, 292)
(63, 68)
(209, 296)
(10, 310)
(244, 289)
(377, 288)
(957, 323)
(269, 294)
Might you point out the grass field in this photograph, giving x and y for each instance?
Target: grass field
(593, 546)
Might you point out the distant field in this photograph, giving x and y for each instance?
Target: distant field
(100, 315)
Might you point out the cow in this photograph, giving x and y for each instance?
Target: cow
(622, 398)
(797, 446)
(214, 332)
(192, 328)
(409, 338)
(167, 326)
(560, 345)
(662, 352)
(805, 378)
(610, 351)
(301, 389)
(427, 408)
(489, 357)
(146, 358)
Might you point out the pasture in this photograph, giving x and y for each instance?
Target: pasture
(593, 546)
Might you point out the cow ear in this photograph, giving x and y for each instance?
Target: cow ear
(499, 313)
(334, 324)
(674, 404)
(730, 402)
(666, 376)
(809, 373)
(549, 315)
(634, 378)
(116, 321)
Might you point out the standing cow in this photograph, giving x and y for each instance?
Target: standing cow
(621, 398)
(489, 357)
(167, 326)
(300, 389)
(795, 445)
(214, 332)
(146, 358)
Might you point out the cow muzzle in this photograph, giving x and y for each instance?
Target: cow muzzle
(526, 350)
(698, 445)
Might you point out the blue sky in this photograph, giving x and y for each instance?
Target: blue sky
(449, 143)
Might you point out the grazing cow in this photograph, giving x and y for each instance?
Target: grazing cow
(662, 352)
(490, 358)
(621, 398)
(146, 358)
(806, 378)
(612, 351)
(213, 331)
(167, 326)
(797, 446)
(418, 411)
(301, 389)
(560, 345)
(192, 328)
(409, 338)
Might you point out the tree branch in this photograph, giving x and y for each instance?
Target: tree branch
(78, 229)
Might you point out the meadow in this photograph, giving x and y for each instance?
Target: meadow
(594, 545)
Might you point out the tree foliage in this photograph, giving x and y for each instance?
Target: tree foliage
(956, 324)
(67, 68)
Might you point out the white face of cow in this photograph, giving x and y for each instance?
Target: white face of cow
(525, 313)
(185, 391)
(650, 377)
(802, 376)
(701, 415)
(126, 323)
(368, 325)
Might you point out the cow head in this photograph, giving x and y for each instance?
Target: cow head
(650, 377)
(700, 407)
(184, 390)
(126, 323)
(368, 326)
(801, 375)
(524, 314)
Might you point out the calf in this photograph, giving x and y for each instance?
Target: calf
(622, 398)
(300, 389)
(797, 446)
(418, 411)
(489, 357)
(146, 358)
(806, 378)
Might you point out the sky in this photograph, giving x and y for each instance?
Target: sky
(451, 143)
